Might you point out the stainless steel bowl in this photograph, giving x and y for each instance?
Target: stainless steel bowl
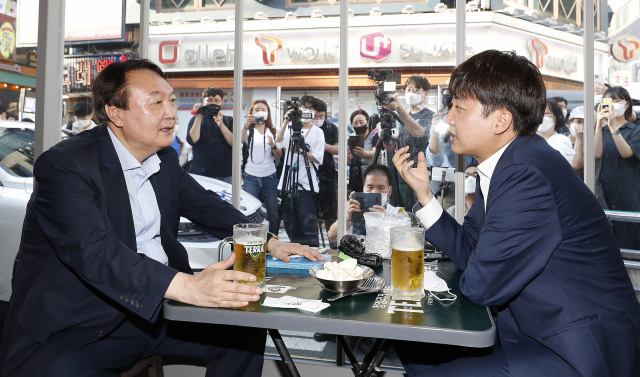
(339, 286)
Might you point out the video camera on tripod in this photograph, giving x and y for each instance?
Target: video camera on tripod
(297, 116)
(385, 81)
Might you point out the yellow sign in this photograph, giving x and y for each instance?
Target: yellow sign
(7, 41)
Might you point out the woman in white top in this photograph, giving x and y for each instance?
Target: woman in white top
(551, 130)
(259, 164)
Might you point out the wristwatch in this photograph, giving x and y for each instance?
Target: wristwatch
(616, 132)
(274, 147)
(270, 236)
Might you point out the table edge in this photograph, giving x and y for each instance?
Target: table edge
(475, 339)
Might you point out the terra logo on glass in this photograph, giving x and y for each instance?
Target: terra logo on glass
(376, 46)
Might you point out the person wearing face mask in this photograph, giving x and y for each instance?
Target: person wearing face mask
(83, 112)
(299, 213)
(376, 180)
(211, 135)
(327, 173)
(617, 142)
(470, 177)
(415, 133)
(562, 102)
(361, 157)
(258, 160)
(550, 129)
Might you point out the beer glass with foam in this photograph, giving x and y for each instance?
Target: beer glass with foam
(407, 263)
(249, 244)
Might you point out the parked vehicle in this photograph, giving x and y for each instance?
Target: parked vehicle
(16, 186)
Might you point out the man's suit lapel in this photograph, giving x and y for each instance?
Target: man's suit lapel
(115, 188)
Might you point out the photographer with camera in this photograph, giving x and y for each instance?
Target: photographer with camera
(211, 135)
(417, 126)
(304, 145)
(258, 160)
(327, 173)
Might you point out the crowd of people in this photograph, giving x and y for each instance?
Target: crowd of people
(99, 253)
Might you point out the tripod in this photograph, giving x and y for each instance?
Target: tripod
(291, 184)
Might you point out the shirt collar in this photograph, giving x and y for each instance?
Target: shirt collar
(128, 162)
(487, 167)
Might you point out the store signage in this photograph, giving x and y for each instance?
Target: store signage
(7, 38)
(626, 48)
(169, 53)
(376, 46)
(621, 75)
(540, 56)
(311, 53)
(268, 49)
(79, 73)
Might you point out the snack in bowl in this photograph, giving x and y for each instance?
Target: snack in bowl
(345, 270)
(341, 277)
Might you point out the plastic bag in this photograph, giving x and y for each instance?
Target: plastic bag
(378, 239)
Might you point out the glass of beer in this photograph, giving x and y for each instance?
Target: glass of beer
(249, 242)
(407, 263)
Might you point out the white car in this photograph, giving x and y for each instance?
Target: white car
(16, 186)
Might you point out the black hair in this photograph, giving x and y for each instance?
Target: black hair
(618, 92)
(212, 91)
(377, 169)
(3, 109)
(110, 86)
(420, 82)
(503, 80)
(560, 99)
(359, 112)
(319, 105)
(307, 99)
(82, 109)
(558, 118)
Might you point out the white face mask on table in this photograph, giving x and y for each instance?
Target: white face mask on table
(433, 283)
(546, 125)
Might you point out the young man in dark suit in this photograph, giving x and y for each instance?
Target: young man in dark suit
(99, 251)
(536, 246)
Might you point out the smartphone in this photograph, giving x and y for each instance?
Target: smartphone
(366, 200)
(606, 103)
(355, 141)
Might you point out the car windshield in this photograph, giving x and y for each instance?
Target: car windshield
(16, 151)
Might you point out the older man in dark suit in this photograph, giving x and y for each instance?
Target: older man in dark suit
(536, 245)
(99, 253)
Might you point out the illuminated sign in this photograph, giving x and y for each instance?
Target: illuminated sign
(540, 55)
(79, 72)
(626, 48)
(376, 46)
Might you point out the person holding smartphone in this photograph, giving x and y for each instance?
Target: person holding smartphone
(617, 143)
(376, 180)
(359, 156)
(258, 163)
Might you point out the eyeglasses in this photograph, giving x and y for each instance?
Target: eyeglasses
(474, 175)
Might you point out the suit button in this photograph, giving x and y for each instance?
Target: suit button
(99, 333)
(121, 297)
(126, 299)
(133, 303)
(138, 305)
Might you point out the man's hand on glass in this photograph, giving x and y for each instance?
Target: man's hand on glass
(215, 286)
(282, 250)
(417, 178)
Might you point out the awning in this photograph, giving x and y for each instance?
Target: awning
(17, 79)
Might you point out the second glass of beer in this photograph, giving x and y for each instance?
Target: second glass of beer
(407, 263)
(250, 248)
